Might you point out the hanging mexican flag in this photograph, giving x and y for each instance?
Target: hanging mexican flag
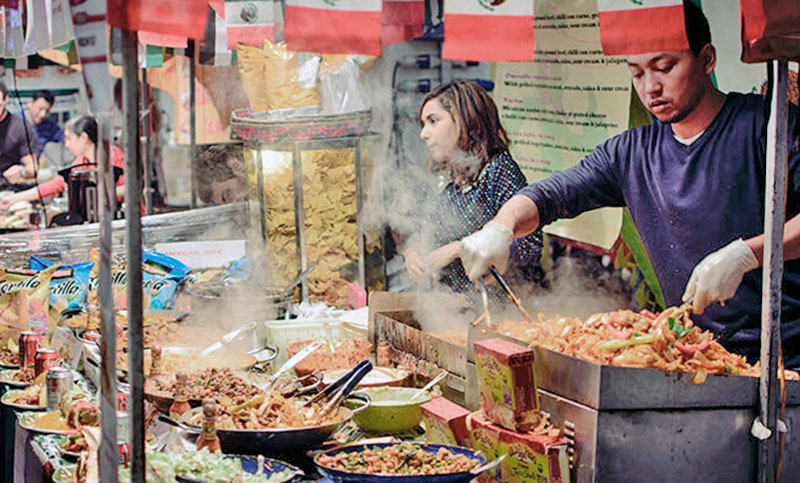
(402, 20)
(250, 22)
(334, 26)
(185, 18)
(629, 27)
(488, 30)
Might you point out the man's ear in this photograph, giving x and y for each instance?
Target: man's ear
(708, 56)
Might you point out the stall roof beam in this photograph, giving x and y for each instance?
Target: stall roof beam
(774, 217)
(133, 246)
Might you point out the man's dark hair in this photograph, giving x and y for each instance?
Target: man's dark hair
(697, 29)
(212, 165)
(3, 89)
(46, 95)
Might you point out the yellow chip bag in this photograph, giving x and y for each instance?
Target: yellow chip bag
(291, 77)
(254, 79)
(25, 298)
(119, 282)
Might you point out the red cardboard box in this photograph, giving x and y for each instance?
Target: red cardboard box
(529, 457)
(445, 422)
(507, 384)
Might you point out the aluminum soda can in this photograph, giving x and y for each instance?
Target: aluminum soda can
(124, 453)
(45, 359)
(92, 335)
(122, 401)
(59, 381)
(29, 343)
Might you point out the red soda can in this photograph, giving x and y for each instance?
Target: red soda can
(29, 343)
(124, 453)
(45, 359)
(92, 336)
(122, 401)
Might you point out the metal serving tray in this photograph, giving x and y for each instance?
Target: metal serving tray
(593, 385)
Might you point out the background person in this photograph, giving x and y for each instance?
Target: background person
(38, 114)
(17, 145)
(81, 140)
(469, 151)
(221, 174)
(694, 183)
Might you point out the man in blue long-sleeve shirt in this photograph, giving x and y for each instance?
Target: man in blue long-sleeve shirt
(38, 114)
(694, 183)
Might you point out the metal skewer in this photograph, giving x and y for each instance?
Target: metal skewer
(485, 299)
(511, 296)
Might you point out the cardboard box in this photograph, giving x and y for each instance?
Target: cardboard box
(529, 457)
(507, 384)
(445, 422)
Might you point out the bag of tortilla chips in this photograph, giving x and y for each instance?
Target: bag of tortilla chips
(25, 298)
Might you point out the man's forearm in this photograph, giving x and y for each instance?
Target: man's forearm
(520, 214)
(29, 170)
(791, 241)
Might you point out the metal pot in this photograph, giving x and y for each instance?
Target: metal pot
(275, 441)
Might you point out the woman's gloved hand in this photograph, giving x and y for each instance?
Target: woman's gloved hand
(718, 275)
(488, 246)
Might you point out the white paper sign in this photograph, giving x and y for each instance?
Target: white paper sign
(204, 254)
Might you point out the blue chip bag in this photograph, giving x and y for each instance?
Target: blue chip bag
(69, 287)
(162, 275)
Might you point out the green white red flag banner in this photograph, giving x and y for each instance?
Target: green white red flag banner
(250, 21)
(334, 26)
(488, 30)
(185, 18)
(402, 20)
(629, 27)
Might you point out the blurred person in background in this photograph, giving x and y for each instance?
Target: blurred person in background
(221, 174)
(469, 154)
(17, 146)
(81, 140)
(38, 114)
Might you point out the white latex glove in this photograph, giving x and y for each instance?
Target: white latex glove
(718, 275)
(488, 246)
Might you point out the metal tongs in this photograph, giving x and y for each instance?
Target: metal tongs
(342, 387)
(293, 361)
(486, 315)
(511, 296)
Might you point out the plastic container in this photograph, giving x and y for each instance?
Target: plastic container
(281, 333)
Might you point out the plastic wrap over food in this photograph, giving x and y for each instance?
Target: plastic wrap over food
(71, 244)
(341, 85)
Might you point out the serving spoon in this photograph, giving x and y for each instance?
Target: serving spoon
(429, 385)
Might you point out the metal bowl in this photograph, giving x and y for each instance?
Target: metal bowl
(163, 400)
(347, 476)
(282, 441)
